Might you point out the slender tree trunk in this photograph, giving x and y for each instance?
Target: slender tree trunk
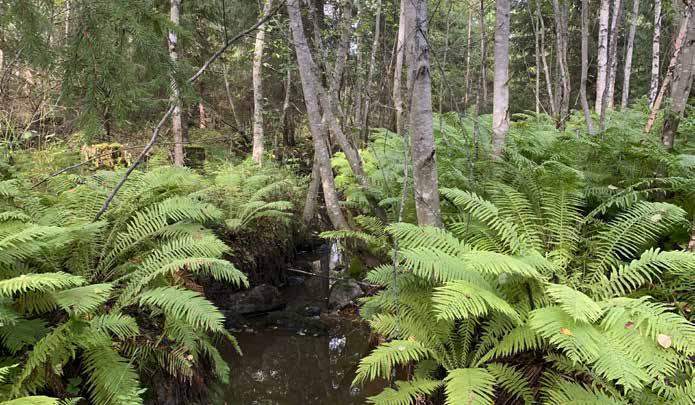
(602, 59)
(680, 88)
(500, 98)
(483, 50)
(677, 46)
(560, 11)
(467, 79)
(613, 48)
(585, 68)
(691, 244)
(420, 115)
(627, 72)
(176, 122)
(286, 119)
(258, 136)
(537, 54)
(607, 96)
(230, 99)
(656, 40)
(309, 82)
(364, 125)
(312, 193)
(398, 70)
(544, 59)
(202, 115)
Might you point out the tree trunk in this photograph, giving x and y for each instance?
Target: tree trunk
(500, 98)
(364, 125)
(691, 245)
(607, 97)
(537, 54)
(613, 49)
(544, 59)
(316, 126)
(628, 54)
(483, 50)
(202, 115)
(286, 119)
(585, 68)
(561, 26)
(602, 58)
(312, 193)
(398, 70)
(467, 79)
(257, 78)
(176, 122)
(677, 47)
(680, 88)
(656, 39)
(420, 115)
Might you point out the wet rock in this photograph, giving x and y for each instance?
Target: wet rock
(294, 281)
(343, 293)
(312, 310)
(259, 299)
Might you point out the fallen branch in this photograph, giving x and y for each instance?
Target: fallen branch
(170, 110)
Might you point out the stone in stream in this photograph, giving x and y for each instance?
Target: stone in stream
(343, 293)
(259, 299)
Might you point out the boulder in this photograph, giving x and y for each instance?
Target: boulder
(343, 293)
(259, 299)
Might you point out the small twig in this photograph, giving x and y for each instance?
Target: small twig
(332, 278)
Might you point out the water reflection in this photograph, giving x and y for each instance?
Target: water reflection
(283, 368)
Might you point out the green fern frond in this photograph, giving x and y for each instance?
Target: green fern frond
(576, 304)
(512, 381)
(405, 393)
(380, 362)
(473, 386)
(111, 378)
(82, 300)
(185, 304)
(461, 300)
(43, 282)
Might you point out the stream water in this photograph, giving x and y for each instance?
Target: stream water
(295, 366)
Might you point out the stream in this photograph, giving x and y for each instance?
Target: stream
(306, 361)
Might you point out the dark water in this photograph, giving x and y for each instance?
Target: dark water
(284, 368)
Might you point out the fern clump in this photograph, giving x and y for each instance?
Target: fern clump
(530, 295)
(111, 299)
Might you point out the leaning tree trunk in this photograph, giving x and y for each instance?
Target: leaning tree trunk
(425, 185)
(602, 58)
(680, 88)
(364, 125)
(656, 39)
(257, 78)
(316, 126)
(176, 123)
(613, 49)
(585, 69)
(398, 70)
(627, 72)
(500, 97)
(677, 47)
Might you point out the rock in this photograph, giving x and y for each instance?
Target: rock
(295, 281)
(259, 299)
(312, 310)
(343, 293)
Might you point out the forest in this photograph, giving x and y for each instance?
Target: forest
(388, 202)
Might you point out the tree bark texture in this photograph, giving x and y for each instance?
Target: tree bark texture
(585, 68)
(627, 71)
(420, 115)
(176, 122)
(656, 40)
(500, 97)
(602, 58)
(257, 77)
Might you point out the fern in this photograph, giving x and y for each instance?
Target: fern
(472, 386)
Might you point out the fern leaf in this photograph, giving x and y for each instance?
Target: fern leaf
(381, 361)
(470, 386)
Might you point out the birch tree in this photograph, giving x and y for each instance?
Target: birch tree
(176, 124)
(627, 71)
(656, 43)
(613, 49)
(398, 70)
(602, 57)
(257, 77)
(425, 184)
(500, 101)
(585, 68)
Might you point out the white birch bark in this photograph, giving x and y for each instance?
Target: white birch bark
(257, 77)
(602, 57)
(627, 71)
(613, 49)
(500, 97)
(398, 70)
(656, 44)
(176, 124)
(425, 185)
